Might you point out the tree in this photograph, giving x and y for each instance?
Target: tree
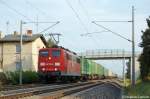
(128, 70)
(50, 43)
(144, 58)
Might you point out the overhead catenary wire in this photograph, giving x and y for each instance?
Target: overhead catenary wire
(86, 13)
(84, 10)
(49, 27)
(26, 17)
(89, 19)
(76, 14)
(113, 21)
(36, 8)
(111, 31)
(13, 9)
(108, 30)
(93, 33)
(43, 13)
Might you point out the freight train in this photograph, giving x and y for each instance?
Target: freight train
(63, 64)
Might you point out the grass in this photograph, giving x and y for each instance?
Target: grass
(141, 89)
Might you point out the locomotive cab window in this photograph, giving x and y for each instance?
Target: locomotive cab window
(44, 53)
(56, 53)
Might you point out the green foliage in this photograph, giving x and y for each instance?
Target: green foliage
(50, 43)
(128, 70)
(27, 77)
(3, 78)
(13, 77)
(144, 59)
(30, 77)
(140, 89)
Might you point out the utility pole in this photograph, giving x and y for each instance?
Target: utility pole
(132, 41)
(20, 71)
(133, 50)
(7, 27)
(37, 24)
(21, 26)
(124, 68)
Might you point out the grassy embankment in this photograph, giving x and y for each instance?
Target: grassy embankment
(141, 88)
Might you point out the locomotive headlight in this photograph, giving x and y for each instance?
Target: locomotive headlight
(55, 69)
(49, 58)
(57, 64)
(43, 69)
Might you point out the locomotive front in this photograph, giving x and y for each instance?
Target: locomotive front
(50, 62)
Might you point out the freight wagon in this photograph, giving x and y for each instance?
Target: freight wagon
(111, 75)
(92, 70)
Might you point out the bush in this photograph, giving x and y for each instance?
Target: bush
(3, 78)
(12, 77)
(30, 77)
(27, 77)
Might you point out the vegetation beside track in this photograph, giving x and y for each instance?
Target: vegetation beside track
(142, 88)
(13, 77)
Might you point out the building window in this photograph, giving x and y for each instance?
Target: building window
(18, 50)
(18, 64)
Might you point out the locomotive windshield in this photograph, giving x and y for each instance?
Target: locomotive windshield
(56, 53)
(44, 53)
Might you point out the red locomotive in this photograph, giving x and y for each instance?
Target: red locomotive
(58, 63)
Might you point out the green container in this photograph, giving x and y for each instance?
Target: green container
(85, 66)
(100, 70)
(95, 68)
(92, 67)
(89, 67)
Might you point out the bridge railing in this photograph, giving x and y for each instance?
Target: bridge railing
(108, 53)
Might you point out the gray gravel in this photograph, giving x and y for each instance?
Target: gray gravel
(104, 91)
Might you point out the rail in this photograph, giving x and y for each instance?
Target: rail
(15, 94)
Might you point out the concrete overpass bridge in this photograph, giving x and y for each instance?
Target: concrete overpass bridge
(112, 54)
(108, 54)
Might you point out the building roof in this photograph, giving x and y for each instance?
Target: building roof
(25, 38)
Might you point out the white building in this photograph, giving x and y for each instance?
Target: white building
(10, 51)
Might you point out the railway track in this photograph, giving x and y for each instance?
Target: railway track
(65, 92)
(107, 90)
(20, 93)
(53, 92)
(5, 88)
(15, 87)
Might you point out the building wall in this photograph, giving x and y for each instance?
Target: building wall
(9, 56)
(1, 55)
(29, 55)
(37, 44)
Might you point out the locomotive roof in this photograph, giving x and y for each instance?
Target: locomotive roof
(55, 46)
(67, 49)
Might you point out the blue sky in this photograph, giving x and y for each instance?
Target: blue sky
(71, 28)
